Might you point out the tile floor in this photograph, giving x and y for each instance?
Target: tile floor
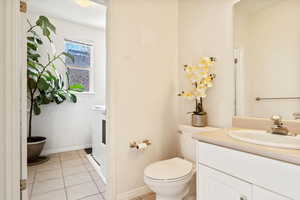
(150, 196)
(66, 176)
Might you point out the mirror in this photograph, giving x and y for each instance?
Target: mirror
(267, 56)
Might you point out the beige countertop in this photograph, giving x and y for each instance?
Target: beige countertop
(220, 138)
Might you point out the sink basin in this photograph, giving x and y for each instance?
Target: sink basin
(265, 138)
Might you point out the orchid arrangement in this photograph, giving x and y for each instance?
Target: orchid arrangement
(201, 79)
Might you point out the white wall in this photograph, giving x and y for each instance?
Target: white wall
(271, 58)
(142, 85)
(206, 29)
(68, 126)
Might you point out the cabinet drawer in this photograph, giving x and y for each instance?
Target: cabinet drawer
(283, 178)
(214, 185)
(262, 194)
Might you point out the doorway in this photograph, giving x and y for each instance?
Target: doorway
(71, 128)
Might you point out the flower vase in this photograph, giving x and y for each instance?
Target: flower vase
(199, 119)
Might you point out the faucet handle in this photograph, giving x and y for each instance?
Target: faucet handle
(277, 120)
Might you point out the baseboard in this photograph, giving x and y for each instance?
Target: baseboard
(134, 193)
(64, 149)
(97, 168)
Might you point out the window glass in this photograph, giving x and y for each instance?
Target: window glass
(80, 52)
(80, 76)
(80, 70)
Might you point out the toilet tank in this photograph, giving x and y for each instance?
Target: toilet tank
(187, 145)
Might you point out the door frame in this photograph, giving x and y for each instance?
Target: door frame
(10, 149)
(13, 123)
(112, 137)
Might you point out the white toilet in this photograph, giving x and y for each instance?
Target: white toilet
(171, 179)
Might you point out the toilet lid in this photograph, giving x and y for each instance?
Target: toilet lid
(169, 169)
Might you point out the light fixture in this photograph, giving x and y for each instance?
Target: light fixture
(84, 3)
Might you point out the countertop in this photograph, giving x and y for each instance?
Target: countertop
(220, 138)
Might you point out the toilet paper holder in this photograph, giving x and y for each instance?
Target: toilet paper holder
(144, 143)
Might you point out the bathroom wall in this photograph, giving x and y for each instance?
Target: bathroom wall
(206, 29)
(271, 58)
(143, 86)
(68, 126)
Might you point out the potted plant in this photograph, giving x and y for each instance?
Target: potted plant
(201, 79)
(45, 84)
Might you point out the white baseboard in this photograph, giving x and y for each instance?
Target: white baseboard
(134, 193)
(97, 168)
(64, 149)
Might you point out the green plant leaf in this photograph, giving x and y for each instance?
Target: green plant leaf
(39, 41)
(50, 74)
(62, 95)
(31, 83)
(34, 57)
(32, 72)
(31, 64)
(43, 84)
(36, 109)
(43, 98)
(77, 88)
(30, 38)
(73, 98)
(44, 23)
(58, 99)
(31, 46)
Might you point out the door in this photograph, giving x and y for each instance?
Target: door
(214, 185)
(23, 101)
(263, 194)
(10, 67)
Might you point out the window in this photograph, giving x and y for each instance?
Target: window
(80, 71)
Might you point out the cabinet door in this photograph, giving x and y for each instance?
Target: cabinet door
(262, 194)
(214, 185)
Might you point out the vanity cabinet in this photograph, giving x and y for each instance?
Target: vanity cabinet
(263, 194)
(224, 173)
(214, 185)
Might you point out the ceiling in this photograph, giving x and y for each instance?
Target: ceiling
(94, 15)
(249, 7)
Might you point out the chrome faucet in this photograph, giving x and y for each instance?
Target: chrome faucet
(278, 127)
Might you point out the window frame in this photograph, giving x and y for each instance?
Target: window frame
(90, 69)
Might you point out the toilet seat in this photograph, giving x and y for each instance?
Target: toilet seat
(172, 170)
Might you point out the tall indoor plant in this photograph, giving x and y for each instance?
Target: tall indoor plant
(201, 79)
(45, 84)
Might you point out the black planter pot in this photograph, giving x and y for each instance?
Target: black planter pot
(35, 146)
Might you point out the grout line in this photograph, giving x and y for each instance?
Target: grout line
(32, 184)
(63, 177)
(70, 186)
(60, 161)
(88, 196)
(42, 193)
(90, 173)
(37, 182)
(91, 178)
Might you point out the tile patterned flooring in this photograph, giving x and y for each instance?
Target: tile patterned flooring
(66, 176)
(150, 196)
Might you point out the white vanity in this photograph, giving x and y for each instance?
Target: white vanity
(229, 169)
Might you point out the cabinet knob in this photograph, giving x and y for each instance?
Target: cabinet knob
(243, 197)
